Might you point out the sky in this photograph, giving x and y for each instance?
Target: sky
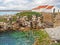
(26, 4)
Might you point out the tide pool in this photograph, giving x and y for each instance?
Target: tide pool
(16, 38)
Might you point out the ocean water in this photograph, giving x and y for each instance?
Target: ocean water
(9, 13)
(16, 38)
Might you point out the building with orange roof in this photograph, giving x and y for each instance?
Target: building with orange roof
(49, 7)
(40, 8)
(45, 8)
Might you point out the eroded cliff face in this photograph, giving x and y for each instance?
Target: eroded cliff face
(22, 23)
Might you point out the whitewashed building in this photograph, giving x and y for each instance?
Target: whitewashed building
(45, 8)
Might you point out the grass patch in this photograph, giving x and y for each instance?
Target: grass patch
(42, 37)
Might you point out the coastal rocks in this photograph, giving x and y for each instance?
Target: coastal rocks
(23, 23)
(15, 26)
(54, 33)
(36, 42)
(2, 27)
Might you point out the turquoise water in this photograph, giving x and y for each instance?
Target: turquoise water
(16, 38)
(4, 13)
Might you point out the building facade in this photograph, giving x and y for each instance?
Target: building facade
(45, 8)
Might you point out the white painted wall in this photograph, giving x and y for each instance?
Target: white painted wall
(36, 10)
(46, 10)
(39, 10)
(51, 10)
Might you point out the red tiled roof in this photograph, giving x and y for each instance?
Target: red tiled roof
(44, 6)
(49, 7)
(34, 8)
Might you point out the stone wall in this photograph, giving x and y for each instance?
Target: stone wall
(57, 20)
(47, 17)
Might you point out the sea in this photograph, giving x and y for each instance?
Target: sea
(16, 38)
(8, 13)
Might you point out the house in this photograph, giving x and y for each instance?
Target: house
(45, 8)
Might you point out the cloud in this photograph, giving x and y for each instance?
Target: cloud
(7, 1)
(26, 4)
(2, 7)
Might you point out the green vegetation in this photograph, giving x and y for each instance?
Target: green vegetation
(56, 44)
(33, 35)
(28, 14)
(14, 18)
(2, 19)
(42, 37)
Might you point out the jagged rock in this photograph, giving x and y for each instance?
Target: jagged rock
(36, 42)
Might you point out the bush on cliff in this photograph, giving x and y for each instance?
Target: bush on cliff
(29, 14)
